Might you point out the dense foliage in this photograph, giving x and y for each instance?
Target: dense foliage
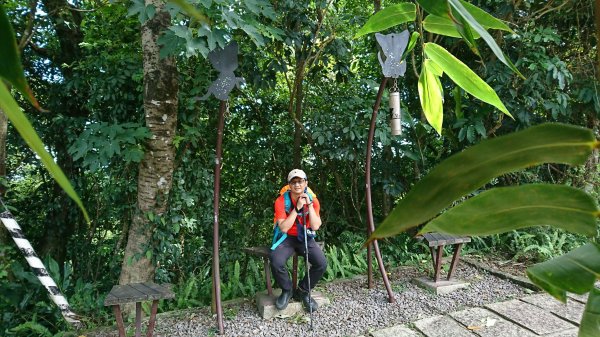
(308, 81)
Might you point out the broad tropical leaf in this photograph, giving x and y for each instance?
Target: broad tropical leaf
(503, 209)
(443, 25)
(10, 62)
(466, 171)
(590, 322)
(430, 95)
(388, 17)
(573, 272)
(436, 7)
(20, 122)
(463, 76)
(463, 12)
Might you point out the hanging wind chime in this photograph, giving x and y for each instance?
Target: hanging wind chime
(392, 47)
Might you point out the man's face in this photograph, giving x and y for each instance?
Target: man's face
(297, 185)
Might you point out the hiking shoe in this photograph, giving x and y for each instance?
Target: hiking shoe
(283, 299)
(308, 302)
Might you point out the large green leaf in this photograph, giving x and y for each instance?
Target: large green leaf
(486, 20)
(503, 209)
(388, 17)
(463, 12)
(436, 7)
(463, 76)
(443, 25)
(573, 272)
(411, 44)
(10, 62)
(430, 95)
(20, 122)
(590, 322)
(466, 171)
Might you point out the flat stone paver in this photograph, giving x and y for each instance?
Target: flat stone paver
(442, 326)
(396, 331)
(571, 311)
(530, 316)
(580, 298)
(485, 323)
(568, 333)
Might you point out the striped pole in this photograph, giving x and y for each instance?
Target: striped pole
(38, 267)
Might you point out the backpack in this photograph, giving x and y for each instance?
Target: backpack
(278, 235)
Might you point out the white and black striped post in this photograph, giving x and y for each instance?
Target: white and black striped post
(38, 267)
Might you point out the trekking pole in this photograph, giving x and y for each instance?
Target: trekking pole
(304, 211)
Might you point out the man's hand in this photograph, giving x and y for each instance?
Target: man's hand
(303, 199)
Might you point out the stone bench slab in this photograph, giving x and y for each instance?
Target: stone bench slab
(267, 309)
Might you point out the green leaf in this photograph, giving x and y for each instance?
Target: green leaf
(430, 95)
(466, 171)
(463, 76)
(503, 209)
(436, 7)
(484, 18)
(388, 17)
(20, 122)
(443, 25)
(192, 11)
(463, 12)
(411, 44)
(10, 62)
(590, 322)
(465, 31)
(573, 272)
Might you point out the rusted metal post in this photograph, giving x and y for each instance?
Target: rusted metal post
(371, 225)
(218, 164)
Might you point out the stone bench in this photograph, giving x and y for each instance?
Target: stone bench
(137, 292)
(266, 301)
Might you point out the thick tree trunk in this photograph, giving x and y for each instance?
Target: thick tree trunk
(156, 169)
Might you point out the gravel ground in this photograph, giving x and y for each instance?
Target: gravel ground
(354, 310)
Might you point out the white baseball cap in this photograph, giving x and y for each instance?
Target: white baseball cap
(296, 173)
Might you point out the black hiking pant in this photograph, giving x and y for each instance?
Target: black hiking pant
(279, 257)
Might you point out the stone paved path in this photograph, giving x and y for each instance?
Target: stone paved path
(530, 316)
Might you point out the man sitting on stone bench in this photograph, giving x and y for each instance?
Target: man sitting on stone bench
(290, 220)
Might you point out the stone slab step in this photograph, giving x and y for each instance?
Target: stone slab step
(485, 323)
(530, 316)
(571, 311)
(267, 309)
(442, 326)
(396, 331)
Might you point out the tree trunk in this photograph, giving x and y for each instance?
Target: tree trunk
(156, 169)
